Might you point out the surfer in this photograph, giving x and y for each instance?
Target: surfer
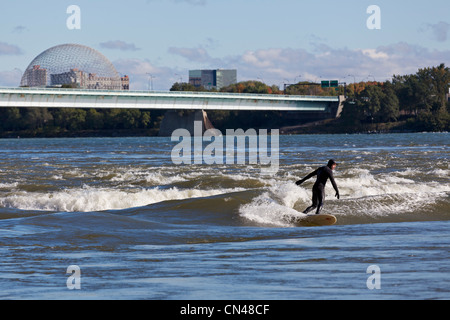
(322, 173)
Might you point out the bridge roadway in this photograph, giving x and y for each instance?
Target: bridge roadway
(80, 98)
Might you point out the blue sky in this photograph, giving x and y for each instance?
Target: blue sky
(274, 41)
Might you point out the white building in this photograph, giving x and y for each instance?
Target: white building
(84, 80)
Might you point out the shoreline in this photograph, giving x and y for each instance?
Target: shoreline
(321, 127)
(143, 133)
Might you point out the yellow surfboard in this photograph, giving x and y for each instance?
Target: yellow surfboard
(316, 220)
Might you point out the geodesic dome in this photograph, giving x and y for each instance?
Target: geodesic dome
(63, 58)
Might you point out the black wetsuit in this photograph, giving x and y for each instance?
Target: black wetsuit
(318, 197)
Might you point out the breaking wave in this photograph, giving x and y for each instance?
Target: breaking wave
(364, 198)
(91, 199)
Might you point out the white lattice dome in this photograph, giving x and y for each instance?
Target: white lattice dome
(63, 58)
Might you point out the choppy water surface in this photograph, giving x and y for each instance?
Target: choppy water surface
(140, 227)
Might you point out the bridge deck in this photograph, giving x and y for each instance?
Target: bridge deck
(80, 98)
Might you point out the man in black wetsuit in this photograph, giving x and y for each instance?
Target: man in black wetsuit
(323, 173)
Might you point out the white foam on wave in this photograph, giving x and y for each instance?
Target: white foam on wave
(362, 193)
(366, 184)
(8, 185)
(386, 194)
(443, 173)
(276, 205)
(92, 199)
(154, 178)
(389, 204)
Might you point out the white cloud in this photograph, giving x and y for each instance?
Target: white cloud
(281, 65)
(119, 45)
(9, 49)
(20, 29)
(331, 63)
(140, 72)
(192, 54)
(440, 30)
(263, 58)
(375, 54)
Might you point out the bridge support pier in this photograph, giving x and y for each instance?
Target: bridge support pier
(183, 119)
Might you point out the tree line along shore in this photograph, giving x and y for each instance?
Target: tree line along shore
(409, 103)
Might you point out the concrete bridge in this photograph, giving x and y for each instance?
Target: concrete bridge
(329, 107)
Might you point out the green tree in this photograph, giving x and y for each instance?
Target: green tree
(376, 103)
(372, 97)
(94, 119)
(129, 118)
(183, 86)
(353, 113)
(435, 81)
(112, 119)
(251, 86)
(10, 119)
(70, 118)
(389, 104)
(145, 119)
(408, 90)
(35, 118)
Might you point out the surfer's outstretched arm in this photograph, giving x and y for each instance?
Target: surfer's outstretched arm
(312, 174)
(334, 185)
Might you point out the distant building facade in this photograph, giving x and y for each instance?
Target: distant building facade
(212, 78)
(83, 80)
(125, 82)
(73, 77)
(36, 76)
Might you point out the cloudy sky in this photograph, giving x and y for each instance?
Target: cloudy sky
(274, 41)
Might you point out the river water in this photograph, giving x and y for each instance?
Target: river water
(137, 226)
